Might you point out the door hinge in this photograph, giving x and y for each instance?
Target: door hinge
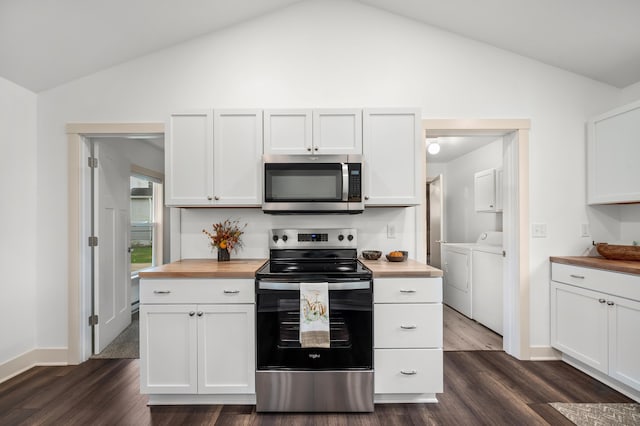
(93, 320)
(93, 241)
(92, 162)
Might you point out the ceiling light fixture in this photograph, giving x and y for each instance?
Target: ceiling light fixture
(433, 148)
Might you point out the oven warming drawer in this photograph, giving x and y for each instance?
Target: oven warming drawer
(314, 391)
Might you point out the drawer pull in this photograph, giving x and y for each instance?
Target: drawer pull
(161, 291)
(581, 277)
(231, 291)
(408, 327)
(408, 372)
(200, 313)
(601, 300)
(402, 290)
(191, 313)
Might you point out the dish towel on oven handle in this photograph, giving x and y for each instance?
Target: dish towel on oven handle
(314, 315)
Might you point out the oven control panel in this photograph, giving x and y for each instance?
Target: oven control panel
(317, 238)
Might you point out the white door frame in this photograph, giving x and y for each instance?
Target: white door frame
(78, 327)
(516, 219)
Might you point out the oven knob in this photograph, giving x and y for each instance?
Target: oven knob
(285, 238)
(275, 238)
(350, 237)
(340, 237)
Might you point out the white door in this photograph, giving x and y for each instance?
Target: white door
(436, 222)
(111, 271)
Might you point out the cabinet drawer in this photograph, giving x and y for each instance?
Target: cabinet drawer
(614, 283)
(407, 290)
(408, 325)
(196, 290)
(408, 371)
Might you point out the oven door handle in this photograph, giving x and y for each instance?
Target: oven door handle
(355, 285)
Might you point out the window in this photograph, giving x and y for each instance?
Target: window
(144, 222)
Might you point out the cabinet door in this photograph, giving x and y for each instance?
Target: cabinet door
(226, 352)
(579, 324)
(237, 156)
(485, 191)
(499, 189)
(189, 159)
(624, 340)
(612, 156)
(401, 371)
(337, 131)
(168, 349)
(394, 157)
(407, 325)
(288, 132)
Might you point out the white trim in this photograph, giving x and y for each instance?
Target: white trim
(30, 359)
(201, 399)
(544, 353)
(404, 398)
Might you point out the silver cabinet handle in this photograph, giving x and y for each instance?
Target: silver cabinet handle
(610, 303)
(601, 300)
(315, 149)
(577, 276)
(200, 313)
(402, 290)
(216, 197)
(161, 291)
(366, 197)
(408, 327)
(308, 149)
(191, 313)
(231, 291)
(408, 372)
(209, 197)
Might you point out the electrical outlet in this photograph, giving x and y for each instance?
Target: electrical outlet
(391, 231)
(539, 230)
(584, 230)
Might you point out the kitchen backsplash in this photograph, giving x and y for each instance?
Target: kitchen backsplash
(371, 226)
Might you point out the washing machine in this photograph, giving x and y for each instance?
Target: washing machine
(464, 264)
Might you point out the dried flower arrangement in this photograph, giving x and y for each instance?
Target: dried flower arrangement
(226, 235)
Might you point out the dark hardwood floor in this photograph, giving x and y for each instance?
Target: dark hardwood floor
(463, 334)
(481, 387)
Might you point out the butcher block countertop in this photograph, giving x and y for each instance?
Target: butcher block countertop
(382, 268)
(205, 268)
(626, 266)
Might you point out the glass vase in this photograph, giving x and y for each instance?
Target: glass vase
(223, 255)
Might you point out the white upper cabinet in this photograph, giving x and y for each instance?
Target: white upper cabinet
(213, 158)
(485, 190)
(323, 131)
(613, 151)
(393, 153)
(188, 160)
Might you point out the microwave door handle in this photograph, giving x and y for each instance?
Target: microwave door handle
(345, 182)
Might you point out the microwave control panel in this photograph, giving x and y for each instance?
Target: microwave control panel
(355, 182)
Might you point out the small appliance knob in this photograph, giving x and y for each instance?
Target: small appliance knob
(275, 238)
(340, 237)
(350, 237)
(285, 238)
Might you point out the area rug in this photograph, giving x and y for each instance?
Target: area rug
(126, 345)
(600, 414)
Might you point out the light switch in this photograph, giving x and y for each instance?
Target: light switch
(539, 230)
(584, 230)
(391, 231)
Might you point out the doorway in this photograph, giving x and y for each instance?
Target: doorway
(515, 218)
(81, 300)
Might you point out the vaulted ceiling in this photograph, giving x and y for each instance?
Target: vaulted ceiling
(40, 41)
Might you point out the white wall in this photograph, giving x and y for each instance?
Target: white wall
(19, 240)
(462, 223)
(331, 53)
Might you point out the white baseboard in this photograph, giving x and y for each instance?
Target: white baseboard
(544, 353)
(32, 358)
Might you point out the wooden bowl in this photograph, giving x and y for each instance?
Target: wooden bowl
(371, 254)
(398, 258)
(615, 252)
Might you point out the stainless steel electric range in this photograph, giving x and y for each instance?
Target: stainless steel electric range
(289, 375)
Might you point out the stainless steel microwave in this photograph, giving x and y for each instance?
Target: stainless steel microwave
(318, 184)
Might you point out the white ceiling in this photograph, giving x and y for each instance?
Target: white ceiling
(47, 43)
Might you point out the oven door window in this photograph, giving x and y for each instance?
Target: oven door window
(303, 182)
(278, 332)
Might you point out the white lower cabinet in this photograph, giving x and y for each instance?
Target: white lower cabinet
(594, 320)
(408, 360)
(197, 348)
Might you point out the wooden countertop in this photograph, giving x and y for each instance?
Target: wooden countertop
(626, 266)
(205, 268)
(382, 268)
